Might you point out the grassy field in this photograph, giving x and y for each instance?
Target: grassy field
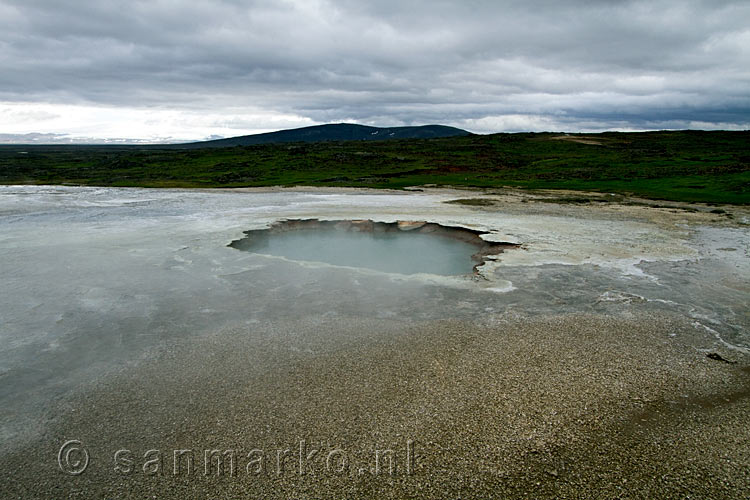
(695, 166)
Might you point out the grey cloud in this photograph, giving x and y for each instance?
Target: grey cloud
(624, 63)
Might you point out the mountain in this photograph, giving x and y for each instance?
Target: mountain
(333, 132)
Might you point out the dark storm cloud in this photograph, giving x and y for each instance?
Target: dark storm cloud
(486, 65)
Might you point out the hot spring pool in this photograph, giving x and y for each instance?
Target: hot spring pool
(403, 248)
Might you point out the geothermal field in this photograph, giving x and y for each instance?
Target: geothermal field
(323, 342)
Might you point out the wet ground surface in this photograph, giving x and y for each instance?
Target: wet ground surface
(99, 282)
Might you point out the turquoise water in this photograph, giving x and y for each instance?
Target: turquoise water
(393, 252)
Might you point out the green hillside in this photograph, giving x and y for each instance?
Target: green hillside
(682, 165)
(332, 132)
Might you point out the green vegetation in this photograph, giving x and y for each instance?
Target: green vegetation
(711, 167)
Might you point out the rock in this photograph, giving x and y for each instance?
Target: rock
(363, 225)
(718, 357)
(407, 225)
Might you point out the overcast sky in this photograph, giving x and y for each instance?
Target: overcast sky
(189, 69)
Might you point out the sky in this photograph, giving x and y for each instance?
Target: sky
(174, 70)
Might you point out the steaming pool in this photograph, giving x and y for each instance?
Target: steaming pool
(404, 247)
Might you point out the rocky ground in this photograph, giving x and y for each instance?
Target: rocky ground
(538, 407)
(582, 379)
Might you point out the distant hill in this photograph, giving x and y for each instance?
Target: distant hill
(333, 132)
